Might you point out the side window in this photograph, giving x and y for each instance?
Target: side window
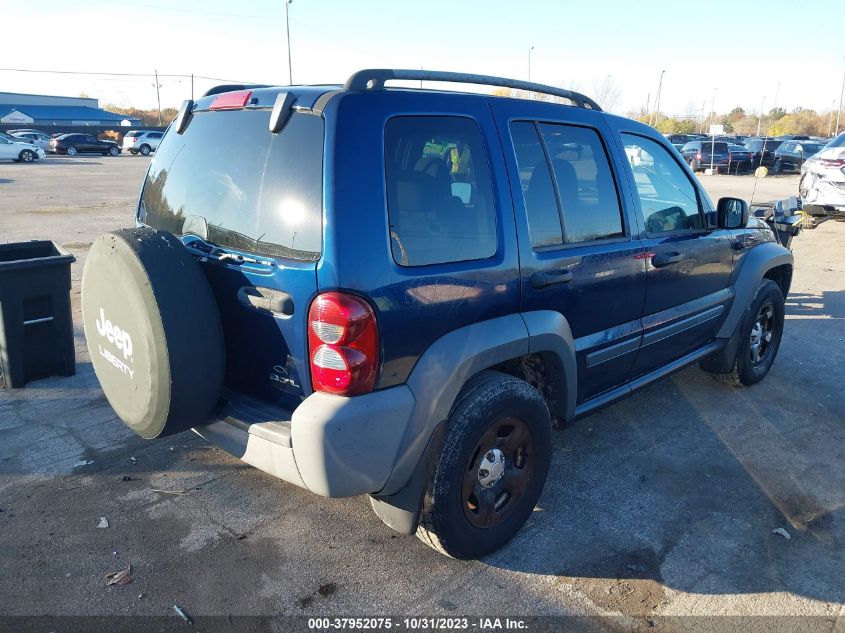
(667, 196)
(589, 201)
(439, 190)
(538, 192)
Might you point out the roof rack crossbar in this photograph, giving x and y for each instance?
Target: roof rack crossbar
(374, 79)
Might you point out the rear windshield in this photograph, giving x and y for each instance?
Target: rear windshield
(134, 133)
(716, 147)
(245, 188)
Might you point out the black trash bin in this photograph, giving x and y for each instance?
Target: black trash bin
(36, 327)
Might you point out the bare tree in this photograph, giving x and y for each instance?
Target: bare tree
(606, 93)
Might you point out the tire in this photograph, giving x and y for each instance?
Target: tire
(26, 156)
(777, 167)
(144, 150)
(746, 370)
(154, 337)
(133, 152)
(479, 497)
(114, 151)
(71, 151)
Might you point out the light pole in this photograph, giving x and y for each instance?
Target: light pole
(529, 70)
(287, 27)
(839, 111)
(712, 135)
(657, 100)
(830, 123)
(760, 118)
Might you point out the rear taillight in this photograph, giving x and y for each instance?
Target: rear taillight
(342, 344)
(698, 156)
(833, 162)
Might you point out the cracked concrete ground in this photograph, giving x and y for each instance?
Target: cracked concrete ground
(662, 505)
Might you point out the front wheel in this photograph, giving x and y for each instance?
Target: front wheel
(762, 331)
(26, 156)
(777, 167)
(492, 467)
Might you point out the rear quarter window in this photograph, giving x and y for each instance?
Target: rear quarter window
(439, 191)
(253, 191)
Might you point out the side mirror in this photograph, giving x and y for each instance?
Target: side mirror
(732, 213)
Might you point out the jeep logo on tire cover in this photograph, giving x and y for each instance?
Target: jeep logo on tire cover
(120, 339)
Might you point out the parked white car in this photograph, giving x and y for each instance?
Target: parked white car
(141, 142)
(19, 152)
(822, 181)
(39, 139)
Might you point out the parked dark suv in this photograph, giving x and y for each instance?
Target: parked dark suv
(762, 151)
(790, 155)
(698, 155)
(73, 144)
(398, 292)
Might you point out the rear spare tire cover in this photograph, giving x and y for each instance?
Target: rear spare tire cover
(153, 331)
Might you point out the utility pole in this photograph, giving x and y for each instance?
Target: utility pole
(529, 70)
(648, 103)
(158, 98)
(287, 27)
(839, 111)
(659, 96)
(760, 118)
(192, 86)
(712, 134)
(653, 119)
(830, 122)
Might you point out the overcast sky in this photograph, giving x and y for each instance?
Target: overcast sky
(743, 49)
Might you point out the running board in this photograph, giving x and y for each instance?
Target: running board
(609, 397)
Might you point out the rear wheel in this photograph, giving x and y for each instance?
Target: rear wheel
(26, 156)
(71, 151)
(114, 151)
(760, 337)
(492, 467)
(145, 150)
(777, 167)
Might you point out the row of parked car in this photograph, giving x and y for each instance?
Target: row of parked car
(736, 154)
(27, 146)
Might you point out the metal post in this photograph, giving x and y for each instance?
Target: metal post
(839, 111)
(712, 134)
(529, 70)
(158, 98)
(648, 103)
(760, 117)
(287, 27)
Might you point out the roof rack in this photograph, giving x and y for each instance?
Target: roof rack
(374, 79)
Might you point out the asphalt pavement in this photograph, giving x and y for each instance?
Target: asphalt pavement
(658, 513)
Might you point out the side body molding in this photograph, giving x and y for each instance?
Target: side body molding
(756, 263)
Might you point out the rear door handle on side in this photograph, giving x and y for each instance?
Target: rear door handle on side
(542, 279)
(665, 259)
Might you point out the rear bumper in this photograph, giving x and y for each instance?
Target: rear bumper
(330, 445)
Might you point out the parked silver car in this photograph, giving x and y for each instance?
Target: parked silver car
(39, 139)
(822, 181)
(141, 141)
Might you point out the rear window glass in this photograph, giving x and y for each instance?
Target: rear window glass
(246, 188)
(439, 191)
(134, 133)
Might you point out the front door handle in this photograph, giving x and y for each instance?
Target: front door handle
(665, 259)
(542, 279)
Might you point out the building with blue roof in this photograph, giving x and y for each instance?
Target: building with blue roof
(53, 111)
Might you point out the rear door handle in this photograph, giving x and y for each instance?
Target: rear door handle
(542, 279)
(665, 259)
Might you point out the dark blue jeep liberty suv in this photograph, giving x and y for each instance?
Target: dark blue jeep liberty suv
(399, 291)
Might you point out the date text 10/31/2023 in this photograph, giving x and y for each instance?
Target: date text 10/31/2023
(418, 624)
